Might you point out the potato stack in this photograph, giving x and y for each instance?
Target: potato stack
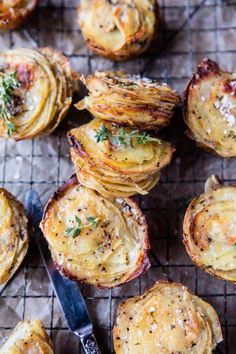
(37, 87)
(119, 30)
(111, 154)
(96, 234)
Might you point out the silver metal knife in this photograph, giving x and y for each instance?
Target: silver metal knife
(68, 293)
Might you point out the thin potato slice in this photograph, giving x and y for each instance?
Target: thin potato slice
(130, 100)
(119, 29)
(93, 239)
(166, 319)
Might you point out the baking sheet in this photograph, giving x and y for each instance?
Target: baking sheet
(192, 30)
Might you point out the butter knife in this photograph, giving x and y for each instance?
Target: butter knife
(67, 292)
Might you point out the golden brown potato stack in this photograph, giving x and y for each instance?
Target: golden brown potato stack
(121, 29)
(36, 89)
(166, 319)
(210, 231)
(14, 235)
(117, 161)
(210, 108)
(28, 337)
(93, 239)
(14, 12)
(128, 99)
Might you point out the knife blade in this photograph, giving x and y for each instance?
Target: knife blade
(67, 291)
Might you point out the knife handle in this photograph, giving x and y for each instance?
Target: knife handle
(89, 344)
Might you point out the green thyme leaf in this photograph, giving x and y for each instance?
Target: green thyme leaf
(234, 245)
(144, 137)
(7, 86)
(75, 231)
(93, 221)
(102, 134)
(123, 137)
(79, 222)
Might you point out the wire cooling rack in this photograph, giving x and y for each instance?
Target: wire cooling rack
(192, 29)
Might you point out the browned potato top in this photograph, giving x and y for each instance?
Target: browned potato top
(93, 239)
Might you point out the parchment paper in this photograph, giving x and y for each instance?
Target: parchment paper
(192, 30)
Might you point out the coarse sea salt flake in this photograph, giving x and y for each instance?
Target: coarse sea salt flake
(153, 326)
(233, 83)
(180, 323)
(230, 119)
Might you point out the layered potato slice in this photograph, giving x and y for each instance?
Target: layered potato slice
(93, 239)
(210, 232)
(166, 319)
(14, 12)
(28, 337)
(14, 235)
(130, 100)
(210, 108)
(40, 95)
(117, 166)
(119, 29)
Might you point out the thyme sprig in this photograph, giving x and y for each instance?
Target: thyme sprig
(7, 86)
(122, 137)
(75, 231)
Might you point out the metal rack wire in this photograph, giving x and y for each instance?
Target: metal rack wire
(192, 29)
